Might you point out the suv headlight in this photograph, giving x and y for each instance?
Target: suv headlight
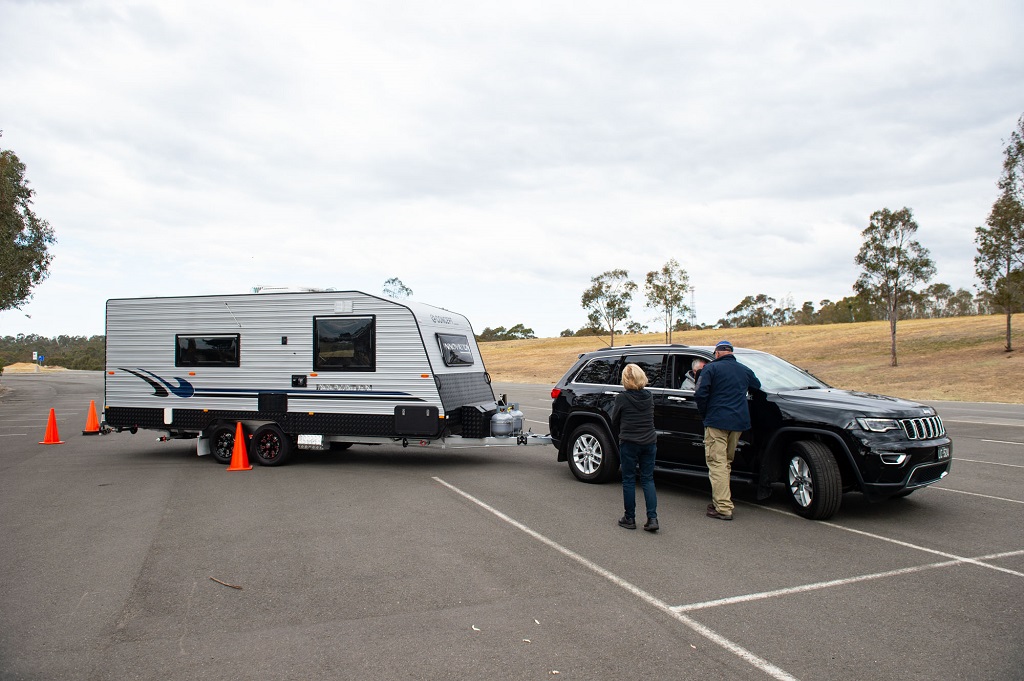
(878, 425)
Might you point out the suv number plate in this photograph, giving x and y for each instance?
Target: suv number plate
(943, 452)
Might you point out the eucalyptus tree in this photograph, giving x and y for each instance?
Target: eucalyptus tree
(666, 292)
(892, 262)
(24, 238)
(394, 288)
(607, 300)
(1000, 260)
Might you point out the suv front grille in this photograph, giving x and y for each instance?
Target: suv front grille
(926, 428)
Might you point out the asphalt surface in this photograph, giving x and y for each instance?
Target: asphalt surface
(487, 563)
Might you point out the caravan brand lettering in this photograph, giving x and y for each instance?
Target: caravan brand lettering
(346, 387)
(442, 320)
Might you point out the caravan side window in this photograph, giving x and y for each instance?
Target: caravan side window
(455, 350)
(207, 351)
(345, 343)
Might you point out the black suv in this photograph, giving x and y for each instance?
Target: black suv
(817, 440)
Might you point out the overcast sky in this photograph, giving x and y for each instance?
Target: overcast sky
(496, 156)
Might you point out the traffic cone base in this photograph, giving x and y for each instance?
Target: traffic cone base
(239, 457)
(52, 436)
(92, 426)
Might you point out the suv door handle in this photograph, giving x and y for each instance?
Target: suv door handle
(673, 398)
(610, 392)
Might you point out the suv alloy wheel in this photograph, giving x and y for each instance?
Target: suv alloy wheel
(814, 482)
(592, 456)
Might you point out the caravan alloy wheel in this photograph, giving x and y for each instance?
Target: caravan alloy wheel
(270, 446)
(222, 443)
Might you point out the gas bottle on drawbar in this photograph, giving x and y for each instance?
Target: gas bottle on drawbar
(501, 423)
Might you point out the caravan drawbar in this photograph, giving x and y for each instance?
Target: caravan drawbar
(305, 369)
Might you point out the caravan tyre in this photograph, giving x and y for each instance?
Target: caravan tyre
(222, 443)
(270, 446)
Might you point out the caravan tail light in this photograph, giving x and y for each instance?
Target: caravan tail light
(555, 392)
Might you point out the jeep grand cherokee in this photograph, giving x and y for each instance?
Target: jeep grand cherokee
(817, 440)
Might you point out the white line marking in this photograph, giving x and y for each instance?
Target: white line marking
(835, 582)
(908, 545)
(11, 434)
(975, 494)
(707, 633)
(810, 587)
(1004, 442)
(991, 463)
(543, 423)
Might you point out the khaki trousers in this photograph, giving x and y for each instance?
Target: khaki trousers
(719, 451)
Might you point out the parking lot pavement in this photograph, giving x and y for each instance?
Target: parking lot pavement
(383, 563)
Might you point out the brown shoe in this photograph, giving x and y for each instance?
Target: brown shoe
(712, 513)
(711, 507)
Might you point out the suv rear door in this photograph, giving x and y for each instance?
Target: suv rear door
(680, 430)
(596, 384)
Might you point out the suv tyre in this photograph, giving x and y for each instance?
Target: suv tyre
(813, 479)
(592, 456)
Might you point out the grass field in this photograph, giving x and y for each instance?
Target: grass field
(939, 359)
(959, 359)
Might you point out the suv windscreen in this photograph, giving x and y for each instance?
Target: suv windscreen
(776, 374)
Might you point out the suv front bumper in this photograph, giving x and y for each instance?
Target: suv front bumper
(889, 468)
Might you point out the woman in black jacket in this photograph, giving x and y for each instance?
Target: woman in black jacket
(633, 417)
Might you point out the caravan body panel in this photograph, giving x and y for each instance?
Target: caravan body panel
(314, 362)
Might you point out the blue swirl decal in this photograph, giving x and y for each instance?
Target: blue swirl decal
(183, 389)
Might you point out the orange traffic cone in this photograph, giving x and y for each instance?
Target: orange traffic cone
(92, 426)
(239, 458)
(52, 437)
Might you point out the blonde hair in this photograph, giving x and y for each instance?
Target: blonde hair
(633, 377)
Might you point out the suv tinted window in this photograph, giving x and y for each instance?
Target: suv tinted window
(600, 371)
(653, 366)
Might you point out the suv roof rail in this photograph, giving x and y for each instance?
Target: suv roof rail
(652, 346)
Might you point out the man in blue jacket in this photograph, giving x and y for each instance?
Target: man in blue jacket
(721, 397)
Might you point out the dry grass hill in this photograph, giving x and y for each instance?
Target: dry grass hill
(939, 359)
(959, 359)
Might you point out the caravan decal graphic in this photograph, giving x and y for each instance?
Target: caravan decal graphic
(183, 389)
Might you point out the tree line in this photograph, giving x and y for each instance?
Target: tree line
(70, 352)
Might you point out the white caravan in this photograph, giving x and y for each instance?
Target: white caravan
(306, 369)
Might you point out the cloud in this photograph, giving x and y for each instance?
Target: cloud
(495, 159)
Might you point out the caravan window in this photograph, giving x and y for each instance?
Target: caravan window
(344, 343)
(207, 351)
(455, 350)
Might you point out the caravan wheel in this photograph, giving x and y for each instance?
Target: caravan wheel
(222, 443)
(270, 446)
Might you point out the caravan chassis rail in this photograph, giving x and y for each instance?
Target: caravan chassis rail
(321, 442)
